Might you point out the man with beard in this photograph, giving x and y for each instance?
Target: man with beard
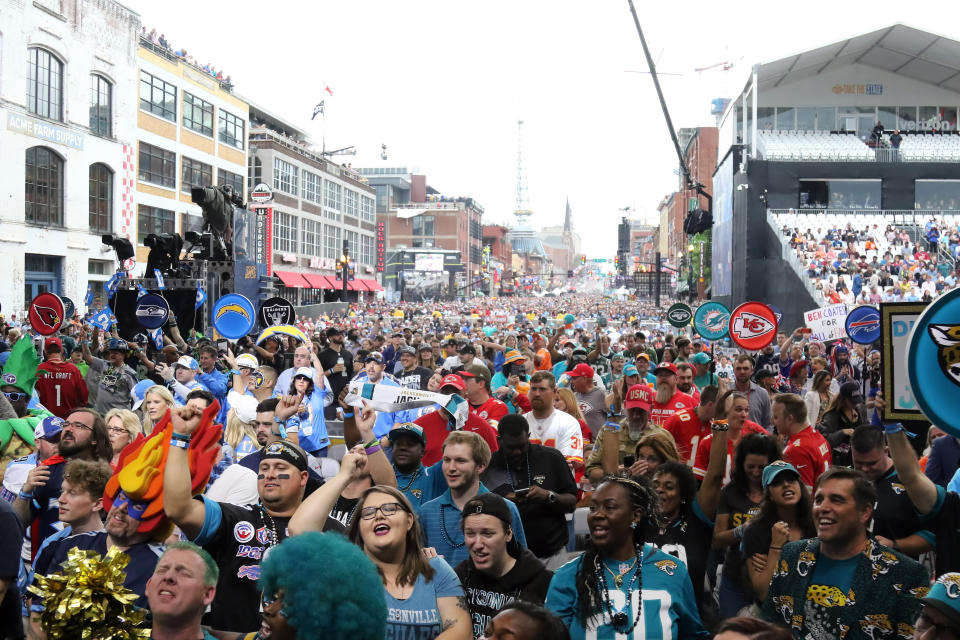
(116, 379)
(668, 399)
(539, 481)
(550, 427)
(236, 536)
(843, 370)
(844, 579)
(689, 426)
(420, 484)
(238, 483)
(412, 376)
(590, 398)
(373, 373)
(760, 405)
(638, 402)
(768, 360)
(337, 363)
(685, 381)
(499, 571)
(83, 436)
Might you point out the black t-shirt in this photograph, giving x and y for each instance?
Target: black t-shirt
(547, 469)
(342, 509)
(689, 539)
(10, 542)
(894, 516)
(945, 522)
(741, 509)
(48, 513)
(769, 362)
(243, 537)
(328, 360)
(416, 379)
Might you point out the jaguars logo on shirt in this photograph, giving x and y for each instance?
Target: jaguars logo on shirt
(805, 562)
(876, 625)
(829, 596)
(667, 566)
(784, 605)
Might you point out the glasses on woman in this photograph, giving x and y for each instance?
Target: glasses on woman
(117, 430)
(387, 509)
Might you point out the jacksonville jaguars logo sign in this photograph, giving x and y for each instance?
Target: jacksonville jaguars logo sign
(933, 361)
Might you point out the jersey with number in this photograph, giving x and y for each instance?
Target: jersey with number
(810, 453)
(669, 609)
(660, 413)
(687, 432)
(61, 387)
(492, 411)
(558, 430)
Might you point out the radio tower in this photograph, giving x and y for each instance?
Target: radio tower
(522, 212)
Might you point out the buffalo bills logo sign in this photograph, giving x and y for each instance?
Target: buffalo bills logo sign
(863, 324)
(753, 325)
(46, 314)
(243, 531)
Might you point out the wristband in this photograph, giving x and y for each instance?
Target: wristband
(738, 532)
(179, 436)
(182, 444)
(371, 443)
(776, 548)
(23, 495)
(719, 426)
(347, 415)
(896, 545)
(234, 372)
(894, 427)
(372, 450)
(613, 425)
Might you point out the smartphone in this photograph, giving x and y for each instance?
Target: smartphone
(521, 492)
(222, 346)
(806, 330)
(629, 461)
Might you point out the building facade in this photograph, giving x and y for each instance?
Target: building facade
(68, 139)
(318, 205)
(191, 131)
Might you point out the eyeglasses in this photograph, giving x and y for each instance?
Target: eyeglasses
(14, 396)
(76, 425)
(117, 430)
(387, 509)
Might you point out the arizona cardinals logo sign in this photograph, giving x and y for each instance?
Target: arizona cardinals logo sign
(753, 325)
(46, 314)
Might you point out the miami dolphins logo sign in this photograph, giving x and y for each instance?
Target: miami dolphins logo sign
(711, 320)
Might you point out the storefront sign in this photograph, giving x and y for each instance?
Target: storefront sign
(263, 240)
(44, 130)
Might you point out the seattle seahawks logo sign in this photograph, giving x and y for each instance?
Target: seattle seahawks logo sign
(275, 312)
(152, 311)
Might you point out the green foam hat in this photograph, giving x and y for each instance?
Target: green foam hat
(21, 368)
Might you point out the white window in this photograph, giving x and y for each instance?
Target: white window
(366, 209)
(333, 243)
(284, 176)
(350, 203)
(353, 238)
(284, 232)
(332, 200)
(311, 237)
(312, 186)
(366, 250)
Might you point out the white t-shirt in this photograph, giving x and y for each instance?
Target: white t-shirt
(558, 430)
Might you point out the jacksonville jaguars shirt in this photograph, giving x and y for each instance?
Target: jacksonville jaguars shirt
(669, 609)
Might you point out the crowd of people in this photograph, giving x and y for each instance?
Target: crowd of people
(857, 264)
(160, 40)
(513, 469)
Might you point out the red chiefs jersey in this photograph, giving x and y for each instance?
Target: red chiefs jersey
(492, 411)
(61, 387)
(436, 430)
(687, 432)
(661, 412)
(810, 453)
(703, 451)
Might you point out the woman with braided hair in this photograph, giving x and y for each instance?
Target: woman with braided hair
(598, 594)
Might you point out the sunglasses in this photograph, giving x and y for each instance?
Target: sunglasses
(14, 396)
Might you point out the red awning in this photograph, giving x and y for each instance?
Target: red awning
(355, 285)
(372, 285)
(292, 279)
(317, 281)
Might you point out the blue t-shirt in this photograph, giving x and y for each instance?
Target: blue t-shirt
(418, 617)
(423, 485)
(312, 428)
(669, 608)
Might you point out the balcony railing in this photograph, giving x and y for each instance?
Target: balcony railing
(146, 43)
(912, 220)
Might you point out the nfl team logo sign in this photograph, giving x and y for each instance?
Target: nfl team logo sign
(711, 320)
(263, 536)
(863, 324)
(243, 531)
(679, 315)
(753, 325)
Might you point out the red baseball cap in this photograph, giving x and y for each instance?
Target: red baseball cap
(639, 396)
(582, 370)
(666, 366)
(453, 380)
(52, 344)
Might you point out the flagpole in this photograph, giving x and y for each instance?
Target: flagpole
(324, 125)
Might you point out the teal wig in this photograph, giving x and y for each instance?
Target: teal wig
(331, 589)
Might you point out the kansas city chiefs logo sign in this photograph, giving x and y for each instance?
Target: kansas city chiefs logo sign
(749, 325)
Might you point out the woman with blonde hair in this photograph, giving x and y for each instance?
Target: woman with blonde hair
(156, 401)
(123, 427)
(565, 401)
(238, 433)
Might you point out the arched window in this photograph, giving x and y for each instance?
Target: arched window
(44, 187)
(101, 198)
(101, 105)
(44, 84)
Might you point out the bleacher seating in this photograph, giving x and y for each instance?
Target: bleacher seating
(930, 147)
(813, 146)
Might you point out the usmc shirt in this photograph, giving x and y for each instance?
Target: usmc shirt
(661, 412)
(238, 538)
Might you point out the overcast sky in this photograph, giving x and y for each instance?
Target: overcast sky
(443, 82)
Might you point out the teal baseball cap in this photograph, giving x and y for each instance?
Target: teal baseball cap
(407, 428)
(630, 370)
(700, 358)
(772, 470)
(944, 596)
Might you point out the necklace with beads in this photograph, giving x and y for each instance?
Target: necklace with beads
(443, 531)
(529, 473)
(272, 524)
(619, 619)
(413, 478)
